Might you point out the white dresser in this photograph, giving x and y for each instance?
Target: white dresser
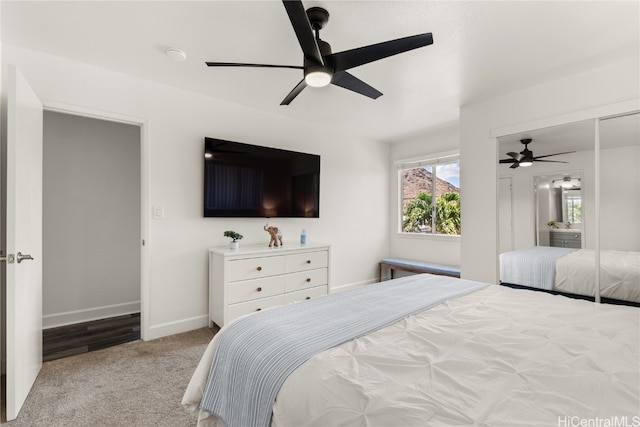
(255, 277)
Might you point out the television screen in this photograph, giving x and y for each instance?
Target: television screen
(243, 180)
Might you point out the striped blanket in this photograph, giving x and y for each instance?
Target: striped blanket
(256, 353)
(534, 267)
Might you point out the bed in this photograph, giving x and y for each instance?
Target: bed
(572, 272)
(492, 356)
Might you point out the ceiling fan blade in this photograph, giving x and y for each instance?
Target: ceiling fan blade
(295, 92)
(240, 64)
(549, 155)
(363, 55)
(516, 156)
(548, 161)
(350, 82)
(302, 28)
(515, 165)
(508, 161)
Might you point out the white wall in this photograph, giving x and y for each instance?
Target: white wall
(353, 205)
(438, 249)
(91, 219)
(615, 82)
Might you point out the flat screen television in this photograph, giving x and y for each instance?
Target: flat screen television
(243, 180)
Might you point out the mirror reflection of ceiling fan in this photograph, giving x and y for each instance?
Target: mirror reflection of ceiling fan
(567, 182)
(526, 158)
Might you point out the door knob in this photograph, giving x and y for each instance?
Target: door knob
(20, 257)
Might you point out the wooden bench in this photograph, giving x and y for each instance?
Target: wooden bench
(416, 267)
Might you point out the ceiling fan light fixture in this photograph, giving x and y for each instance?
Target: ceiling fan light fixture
(526, 163)
(318, 78)
(567, 182)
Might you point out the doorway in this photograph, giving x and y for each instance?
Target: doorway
(91, 231)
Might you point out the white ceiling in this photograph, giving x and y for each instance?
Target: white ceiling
(480, 49)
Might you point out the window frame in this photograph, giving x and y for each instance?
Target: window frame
(432, 160)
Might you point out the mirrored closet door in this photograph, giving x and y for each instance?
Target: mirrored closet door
(574, 198)
(619, 215)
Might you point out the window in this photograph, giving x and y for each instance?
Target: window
(430, 195)
(573, 199)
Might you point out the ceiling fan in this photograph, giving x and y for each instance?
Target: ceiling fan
(320, 65)
(525, 157)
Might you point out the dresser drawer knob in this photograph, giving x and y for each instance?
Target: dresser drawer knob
(308, 279)
(308, 298)
(259, 289)
(308, 261)
(259, 268)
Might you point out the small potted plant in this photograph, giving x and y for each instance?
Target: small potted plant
(234, 238)
(553, 224)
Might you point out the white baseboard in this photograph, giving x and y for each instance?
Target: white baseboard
(176, 327)
(336, 289)
(89, 314)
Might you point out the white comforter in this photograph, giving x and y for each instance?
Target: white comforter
(496, 357)
(619, 274)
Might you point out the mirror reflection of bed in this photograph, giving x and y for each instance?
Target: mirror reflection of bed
(559, 222)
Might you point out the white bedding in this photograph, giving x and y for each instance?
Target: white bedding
(496, 357)
(619, 274)
(534, 267)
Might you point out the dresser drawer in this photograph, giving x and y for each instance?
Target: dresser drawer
(254, 268)
(306, 261)
(242, 308)
(256, 288)
(305, 279)
(306, 294)
(566, 240)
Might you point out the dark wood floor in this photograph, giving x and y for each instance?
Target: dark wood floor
(89, 336)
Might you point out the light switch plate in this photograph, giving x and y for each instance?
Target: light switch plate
(158, 212)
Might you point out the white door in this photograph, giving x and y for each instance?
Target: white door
(24, 241)
(506, 220)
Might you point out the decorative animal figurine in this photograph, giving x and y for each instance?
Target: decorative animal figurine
(276, 235)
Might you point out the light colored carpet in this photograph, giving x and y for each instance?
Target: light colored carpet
(135, 384)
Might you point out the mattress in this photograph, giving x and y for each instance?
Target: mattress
(495, 357)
